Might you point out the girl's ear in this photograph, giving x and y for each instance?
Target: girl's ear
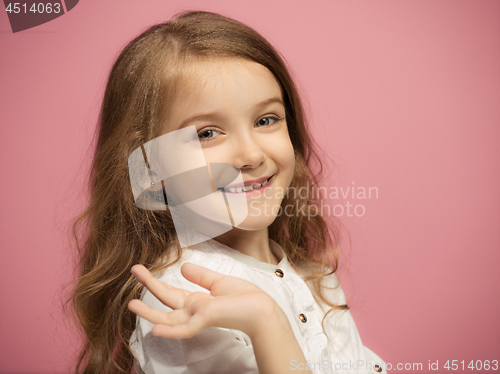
(155, 186)
(146, 183)
(154, 198)
(154, 193)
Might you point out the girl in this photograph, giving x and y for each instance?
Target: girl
(203, 118)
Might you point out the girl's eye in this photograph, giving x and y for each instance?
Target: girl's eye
(207, 134)
(267, 121)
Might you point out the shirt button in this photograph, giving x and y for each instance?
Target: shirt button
(378, 368)
(302, 318)
(279, 273)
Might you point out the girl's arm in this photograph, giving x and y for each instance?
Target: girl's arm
(233, 303)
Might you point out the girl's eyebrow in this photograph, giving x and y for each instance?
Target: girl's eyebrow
(215, 115)
(270, 101)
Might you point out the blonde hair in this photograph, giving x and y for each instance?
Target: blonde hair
(113, 234)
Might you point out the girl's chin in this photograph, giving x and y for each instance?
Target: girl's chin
(256, 223)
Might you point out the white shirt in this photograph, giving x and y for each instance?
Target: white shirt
(219, 350)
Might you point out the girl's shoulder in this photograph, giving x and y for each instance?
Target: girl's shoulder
(332, 289)
(329, 282)
(208, 255)
(172, 274)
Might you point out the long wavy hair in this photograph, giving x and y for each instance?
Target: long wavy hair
(113, 234)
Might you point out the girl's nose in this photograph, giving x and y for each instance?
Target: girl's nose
(248, 153)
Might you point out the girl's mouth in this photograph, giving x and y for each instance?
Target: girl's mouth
(247, 189)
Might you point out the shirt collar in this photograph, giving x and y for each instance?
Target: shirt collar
(216, 246)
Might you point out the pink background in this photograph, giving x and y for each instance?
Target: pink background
(403, 95)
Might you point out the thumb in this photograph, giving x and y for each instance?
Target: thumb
(200, 275)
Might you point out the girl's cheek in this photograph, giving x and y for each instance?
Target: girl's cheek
(283, 149)
(290, 161)
(215, 154)
(291, 155)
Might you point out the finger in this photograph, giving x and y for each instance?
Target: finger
(194, 326)
(200, 275)
(168, 295)
(142, 274)
(156, 316)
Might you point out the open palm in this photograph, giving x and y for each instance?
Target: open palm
(232, 303)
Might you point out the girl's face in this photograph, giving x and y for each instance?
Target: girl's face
(237, 109)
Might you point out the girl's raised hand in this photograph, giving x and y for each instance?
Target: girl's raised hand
(232, 303)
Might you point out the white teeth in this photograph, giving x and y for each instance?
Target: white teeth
(246, 188)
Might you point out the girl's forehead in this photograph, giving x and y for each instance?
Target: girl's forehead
(227, 85)
(214, 72)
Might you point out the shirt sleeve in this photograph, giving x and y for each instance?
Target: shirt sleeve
(214, 350)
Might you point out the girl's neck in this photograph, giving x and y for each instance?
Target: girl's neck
(250, 243)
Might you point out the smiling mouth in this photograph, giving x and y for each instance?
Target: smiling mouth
(253, 187)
